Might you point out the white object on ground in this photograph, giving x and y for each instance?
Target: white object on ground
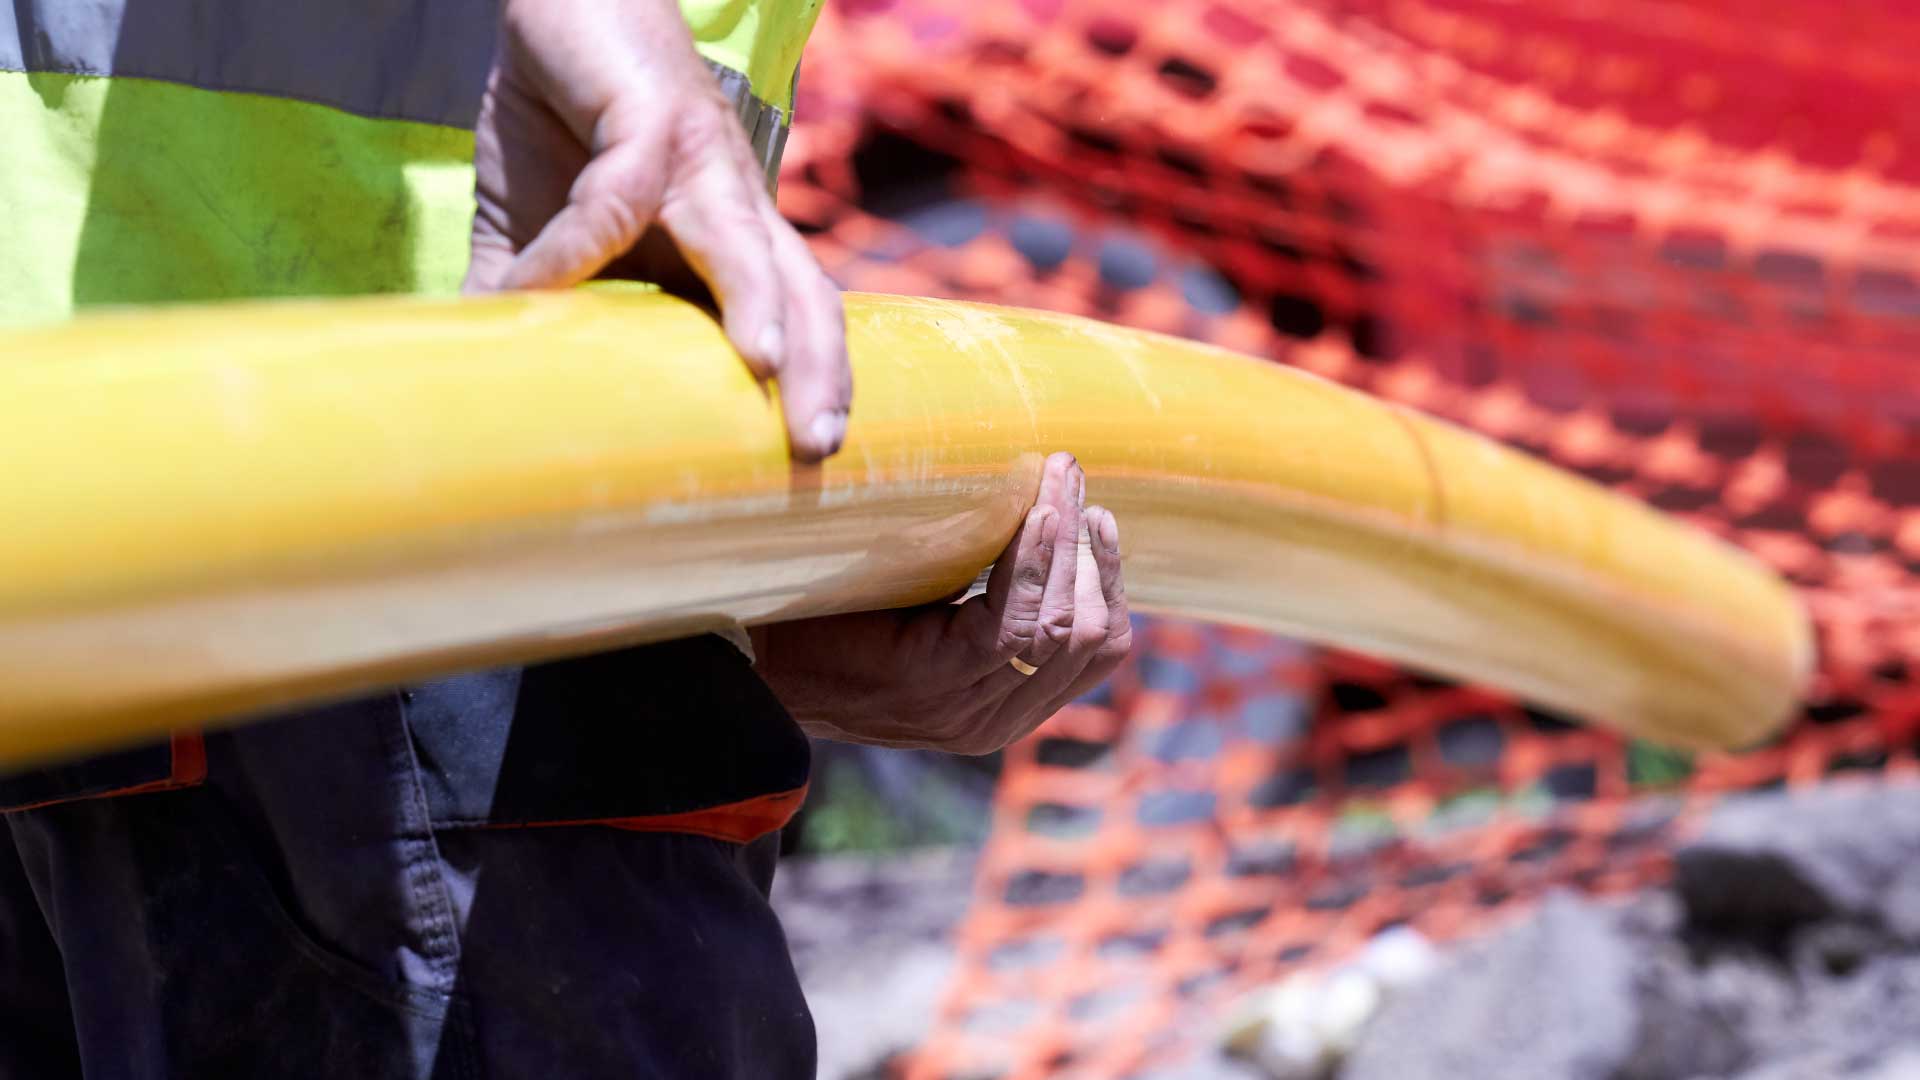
(1303, 1026)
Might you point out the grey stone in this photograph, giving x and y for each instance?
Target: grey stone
(1900, 905)
(1552, 996)
(1902, 1064)
(1696, 1018)
(1789, 949)
(1773, 861)
(1849, 1024)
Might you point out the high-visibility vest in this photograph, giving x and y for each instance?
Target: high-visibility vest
(169, 150)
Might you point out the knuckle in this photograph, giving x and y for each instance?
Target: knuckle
(1086, 642)
(1011, 641)
(611, 224)
(1057, 627)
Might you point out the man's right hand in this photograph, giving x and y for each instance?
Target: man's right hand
(605, 145)
(943, 676)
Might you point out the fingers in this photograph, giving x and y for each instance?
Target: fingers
(1059, 606)
(716, 210)
(1118, 640)
(1039, 695)
(1023, 591)
(1001, 622)
(1004, 621)
(779, 309)
(647, 139)
(1102, 634)
(489, 260)
(816, 382)
(607, 210)
(526, 165)
(1063, 486)
(709, 199)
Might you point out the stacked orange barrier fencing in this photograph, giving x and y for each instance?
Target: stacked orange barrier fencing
(1672, 244)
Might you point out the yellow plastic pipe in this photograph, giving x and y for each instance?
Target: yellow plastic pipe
(212, 511)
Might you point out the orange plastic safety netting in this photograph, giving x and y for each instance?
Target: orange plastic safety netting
(1671, 244)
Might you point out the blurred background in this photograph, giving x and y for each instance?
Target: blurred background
(1669, 244)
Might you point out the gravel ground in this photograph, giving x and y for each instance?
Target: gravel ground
(1788, 948)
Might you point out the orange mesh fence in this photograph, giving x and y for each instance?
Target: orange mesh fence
(1671, 244)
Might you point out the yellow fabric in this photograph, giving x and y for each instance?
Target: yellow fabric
(761, 39)
(130, 191)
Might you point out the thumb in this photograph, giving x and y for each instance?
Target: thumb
(608, 208)
(487, 264)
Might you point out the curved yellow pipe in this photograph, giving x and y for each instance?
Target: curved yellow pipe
(210, 511)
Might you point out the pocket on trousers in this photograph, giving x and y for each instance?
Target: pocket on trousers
(251, 990)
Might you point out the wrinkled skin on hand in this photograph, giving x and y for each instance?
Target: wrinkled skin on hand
(938, 677)
(605, 148)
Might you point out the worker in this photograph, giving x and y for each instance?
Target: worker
(559, 871)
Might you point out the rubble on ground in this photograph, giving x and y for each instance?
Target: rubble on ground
(1787, 948)
(1303, 1027)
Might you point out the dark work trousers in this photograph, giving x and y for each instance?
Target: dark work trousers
(350, 894)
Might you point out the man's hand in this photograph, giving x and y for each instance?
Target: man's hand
(605, 146)
(939, 677)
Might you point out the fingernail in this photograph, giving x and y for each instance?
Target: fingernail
(772, 346)
(1080, 489)
(828, 429)
(1109, 532)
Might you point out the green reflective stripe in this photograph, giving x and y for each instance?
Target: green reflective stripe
(759, 38)
(135, 191)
